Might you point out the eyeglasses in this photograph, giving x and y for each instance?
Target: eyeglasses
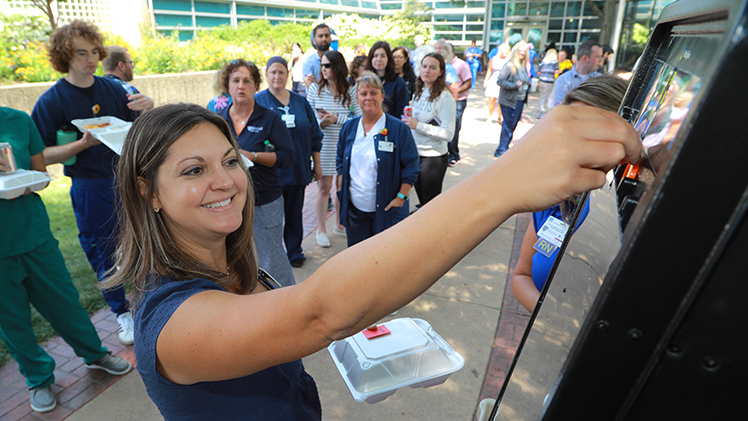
(326, 65)
(130, 63)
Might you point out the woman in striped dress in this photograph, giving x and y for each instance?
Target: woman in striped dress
(334, 100)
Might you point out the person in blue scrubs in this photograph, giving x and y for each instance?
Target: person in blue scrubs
(76, 49)
(533, 266)
(306, 138)
(264, 140)
(473, 58)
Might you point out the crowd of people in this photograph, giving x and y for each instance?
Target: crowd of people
(202, 212)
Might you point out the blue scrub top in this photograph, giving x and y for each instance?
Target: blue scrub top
(306, 136)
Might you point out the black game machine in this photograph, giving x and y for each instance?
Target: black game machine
(644, 311)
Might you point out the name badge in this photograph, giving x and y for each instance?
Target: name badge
(545, 248)
(290, 120)
(553, 231)
(386, 146)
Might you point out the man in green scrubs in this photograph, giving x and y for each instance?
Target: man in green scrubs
(33, 272)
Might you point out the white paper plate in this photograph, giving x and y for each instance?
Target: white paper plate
(15, 184)
(112, 134)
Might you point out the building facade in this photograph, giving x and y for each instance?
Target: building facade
(565, 23)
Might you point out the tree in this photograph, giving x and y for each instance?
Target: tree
(607, 16)
(46, 7)
(414, 11)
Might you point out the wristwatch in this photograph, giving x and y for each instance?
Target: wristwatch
(402, 196)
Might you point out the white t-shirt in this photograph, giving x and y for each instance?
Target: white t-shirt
(364, 167)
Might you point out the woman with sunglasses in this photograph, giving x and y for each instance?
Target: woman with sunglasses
(433, 125)
(531, 273)
(334, 99)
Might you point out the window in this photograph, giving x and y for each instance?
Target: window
(250, 10)
(570, 37)
(177, 5)
(516, 9)
(305, 14)
(211, 22)
(574, 8)
(352, 3)
(497, 10)
(173, 20)
(554, 37)
(557, 9)
(572, 24)
(448, 28)
(209, 7)
(280, 12)
(391, 6)
(555, 24)
(591, 24)
(537, 8)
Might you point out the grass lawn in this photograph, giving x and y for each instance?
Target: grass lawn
(62, 221)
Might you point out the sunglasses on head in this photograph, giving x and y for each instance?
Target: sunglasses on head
(326, 65)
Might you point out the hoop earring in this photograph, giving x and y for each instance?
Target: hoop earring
(156, 209)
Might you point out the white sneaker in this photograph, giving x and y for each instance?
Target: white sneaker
(322, 239)
(126, 328)
(338, 231)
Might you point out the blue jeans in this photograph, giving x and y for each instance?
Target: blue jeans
(511, 118)
(453, 146)
(474, 68)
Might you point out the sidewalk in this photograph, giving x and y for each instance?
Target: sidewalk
(471, 308)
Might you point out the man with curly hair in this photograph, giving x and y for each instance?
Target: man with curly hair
(76, 49)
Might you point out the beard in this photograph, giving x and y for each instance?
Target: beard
(323, 46)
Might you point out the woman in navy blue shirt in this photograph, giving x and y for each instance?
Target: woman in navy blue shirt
(306, 138)
(382, 63)
(212, 342)
(264, 140)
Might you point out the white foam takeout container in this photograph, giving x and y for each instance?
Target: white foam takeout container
(113, 135)
(413, 354)
(15, 184)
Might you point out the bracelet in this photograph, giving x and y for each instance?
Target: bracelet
(402, 196)
(255, 160)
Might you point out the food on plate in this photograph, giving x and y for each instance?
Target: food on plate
(96, 126)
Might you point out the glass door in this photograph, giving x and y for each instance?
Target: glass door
(533, 32)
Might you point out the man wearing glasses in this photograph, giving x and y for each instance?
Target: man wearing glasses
(118, 66)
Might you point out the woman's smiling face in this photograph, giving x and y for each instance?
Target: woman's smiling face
(200, 187)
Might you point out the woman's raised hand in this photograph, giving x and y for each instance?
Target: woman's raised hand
(569, 151)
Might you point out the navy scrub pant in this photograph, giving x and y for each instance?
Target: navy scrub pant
(94, 207)
(293, 230)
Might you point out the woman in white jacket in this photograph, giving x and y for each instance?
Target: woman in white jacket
(432, 124)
